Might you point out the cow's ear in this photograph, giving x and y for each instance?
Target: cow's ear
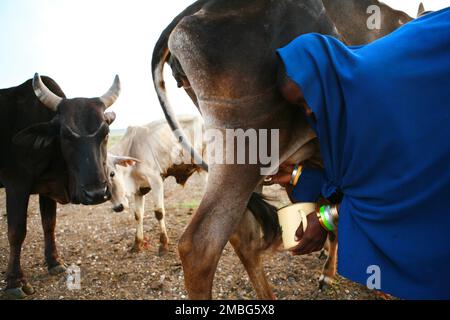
(38, 136)
(110, 117)
(125, 161)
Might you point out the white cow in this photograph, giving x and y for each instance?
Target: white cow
(140, 162)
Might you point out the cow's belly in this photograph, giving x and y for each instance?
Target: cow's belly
(182, 172)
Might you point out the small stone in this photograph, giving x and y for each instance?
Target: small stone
(156, 285)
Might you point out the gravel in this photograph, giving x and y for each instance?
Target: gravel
(98, 242)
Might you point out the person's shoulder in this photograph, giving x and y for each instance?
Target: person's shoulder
(312, 40)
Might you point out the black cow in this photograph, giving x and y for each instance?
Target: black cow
(54, 147)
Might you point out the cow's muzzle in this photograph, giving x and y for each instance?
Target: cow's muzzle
(95, 196)
(119, 208)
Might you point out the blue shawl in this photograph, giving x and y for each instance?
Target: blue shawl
(383, 122)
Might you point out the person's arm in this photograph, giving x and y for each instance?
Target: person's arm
(283, 177)
(320, 223)
(305, 185)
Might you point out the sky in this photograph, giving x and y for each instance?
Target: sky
(83, 44)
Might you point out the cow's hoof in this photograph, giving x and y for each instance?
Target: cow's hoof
(139, 246)
(15, 294)
(163, 250)
(135, 249)
(28, 289)
(325, 283)
(57, 270)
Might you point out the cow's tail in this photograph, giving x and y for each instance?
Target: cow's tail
(264, 212)
(267, 217)
(161, 55)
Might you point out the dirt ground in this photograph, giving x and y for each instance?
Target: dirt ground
(98, 241)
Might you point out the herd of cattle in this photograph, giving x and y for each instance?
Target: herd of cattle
(222, 53)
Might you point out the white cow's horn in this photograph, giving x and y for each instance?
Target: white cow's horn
(113, 93)
(48, 98)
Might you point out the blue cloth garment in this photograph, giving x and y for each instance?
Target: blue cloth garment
(383, 121)
(309, 185)
(313, 185)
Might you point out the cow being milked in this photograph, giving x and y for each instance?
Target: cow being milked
(222, 53)
(140, 162)
(54, 147)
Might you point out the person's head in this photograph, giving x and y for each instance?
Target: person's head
(290, 90)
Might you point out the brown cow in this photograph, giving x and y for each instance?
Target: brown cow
(222, 53)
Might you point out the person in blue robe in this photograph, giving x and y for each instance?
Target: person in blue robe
(382, 116)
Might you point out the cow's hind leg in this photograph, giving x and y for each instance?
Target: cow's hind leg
(48, 216)
(248, 245)
(139, 241)
(17, 204)
(330, 267)
(213, 224)
(160, 213)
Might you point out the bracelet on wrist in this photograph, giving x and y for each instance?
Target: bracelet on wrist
(321, 221)
(334, 215)
(293, 175)
(296, 175)
(329, 218)
(326, 218)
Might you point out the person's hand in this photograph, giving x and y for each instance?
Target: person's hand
(313, 239)
(283, 177)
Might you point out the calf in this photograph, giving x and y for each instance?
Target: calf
(160, 156)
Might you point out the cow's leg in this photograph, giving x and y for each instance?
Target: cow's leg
(211, 227)
(139, 206)
(17, 204)
(48, 216)
(160, 213)
(330, 267)
(248, 245)
(204, 176)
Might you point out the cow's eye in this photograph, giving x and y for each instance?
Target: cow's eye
(112, 174)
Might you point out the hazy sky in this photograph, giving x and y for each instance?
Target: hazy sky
(82, 44)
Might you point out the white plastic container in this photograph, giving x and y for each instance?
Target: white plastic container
(290, 218)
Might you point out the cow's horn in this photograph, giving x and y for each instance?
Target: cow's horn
(113, 93)
(421, 9)
(48, 98)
